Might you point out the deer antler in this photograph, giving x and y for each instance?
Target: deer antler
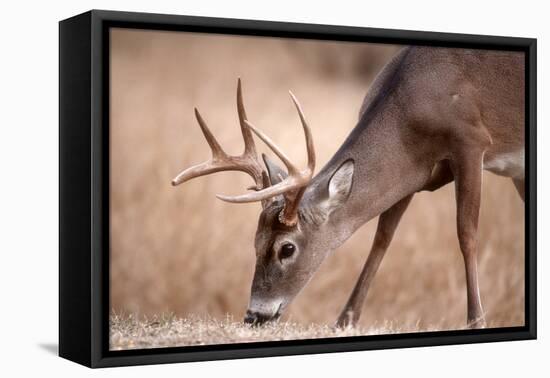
(294, 185)
(247, 162)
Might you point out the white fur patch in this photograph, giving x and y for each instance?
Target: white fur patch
(264, 306)
(510, 164)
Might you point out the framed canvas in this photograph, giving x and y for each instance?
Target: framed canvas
(159, 114)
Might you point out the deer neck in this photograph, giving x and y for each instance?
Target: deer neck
(385, 171)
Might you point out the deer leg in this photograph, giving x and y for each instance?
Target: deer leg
(520, 187)
(387, 224)
(468, 174)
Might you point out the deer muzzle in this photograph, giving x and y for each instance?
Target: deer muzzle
(263, 314)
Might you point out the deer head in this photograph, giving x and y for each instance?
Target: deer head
(293, 235)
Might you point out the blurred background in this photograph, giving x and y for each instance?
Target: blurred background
(181, 250)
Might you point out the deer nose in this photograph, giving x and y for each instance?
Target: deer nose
(250, 317)
(256, 318)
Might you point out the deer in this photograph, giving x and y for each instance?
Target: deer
(432, 116)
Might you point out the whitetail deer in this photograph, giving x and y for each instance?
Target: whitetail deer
(432, 116)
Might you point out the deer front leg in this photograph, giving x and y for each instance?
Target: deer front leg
(468, 173)
(387, 224)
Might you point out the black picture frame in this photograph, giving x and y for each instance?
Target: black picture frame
(84, 188)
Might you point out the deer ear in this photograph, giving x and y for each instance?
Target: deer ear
(276, 174)
(339, 185)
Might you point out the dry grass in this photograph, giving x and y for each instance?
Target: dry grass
(129, 332)
(182, 251)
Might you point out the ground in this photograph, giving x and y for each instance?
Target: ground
(131, 332)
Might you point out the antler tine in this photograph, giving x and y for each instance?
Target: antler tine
(202, 169)
(282, 187)
(307, 131)
(246, 162)
(249, 145)
(267, 140)
(217, 151)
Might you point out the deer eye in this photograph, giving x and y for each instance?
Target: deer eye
(287, 250)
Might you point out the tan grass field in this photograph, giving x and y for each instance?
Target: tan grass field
(130, 332)
(180, 250)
